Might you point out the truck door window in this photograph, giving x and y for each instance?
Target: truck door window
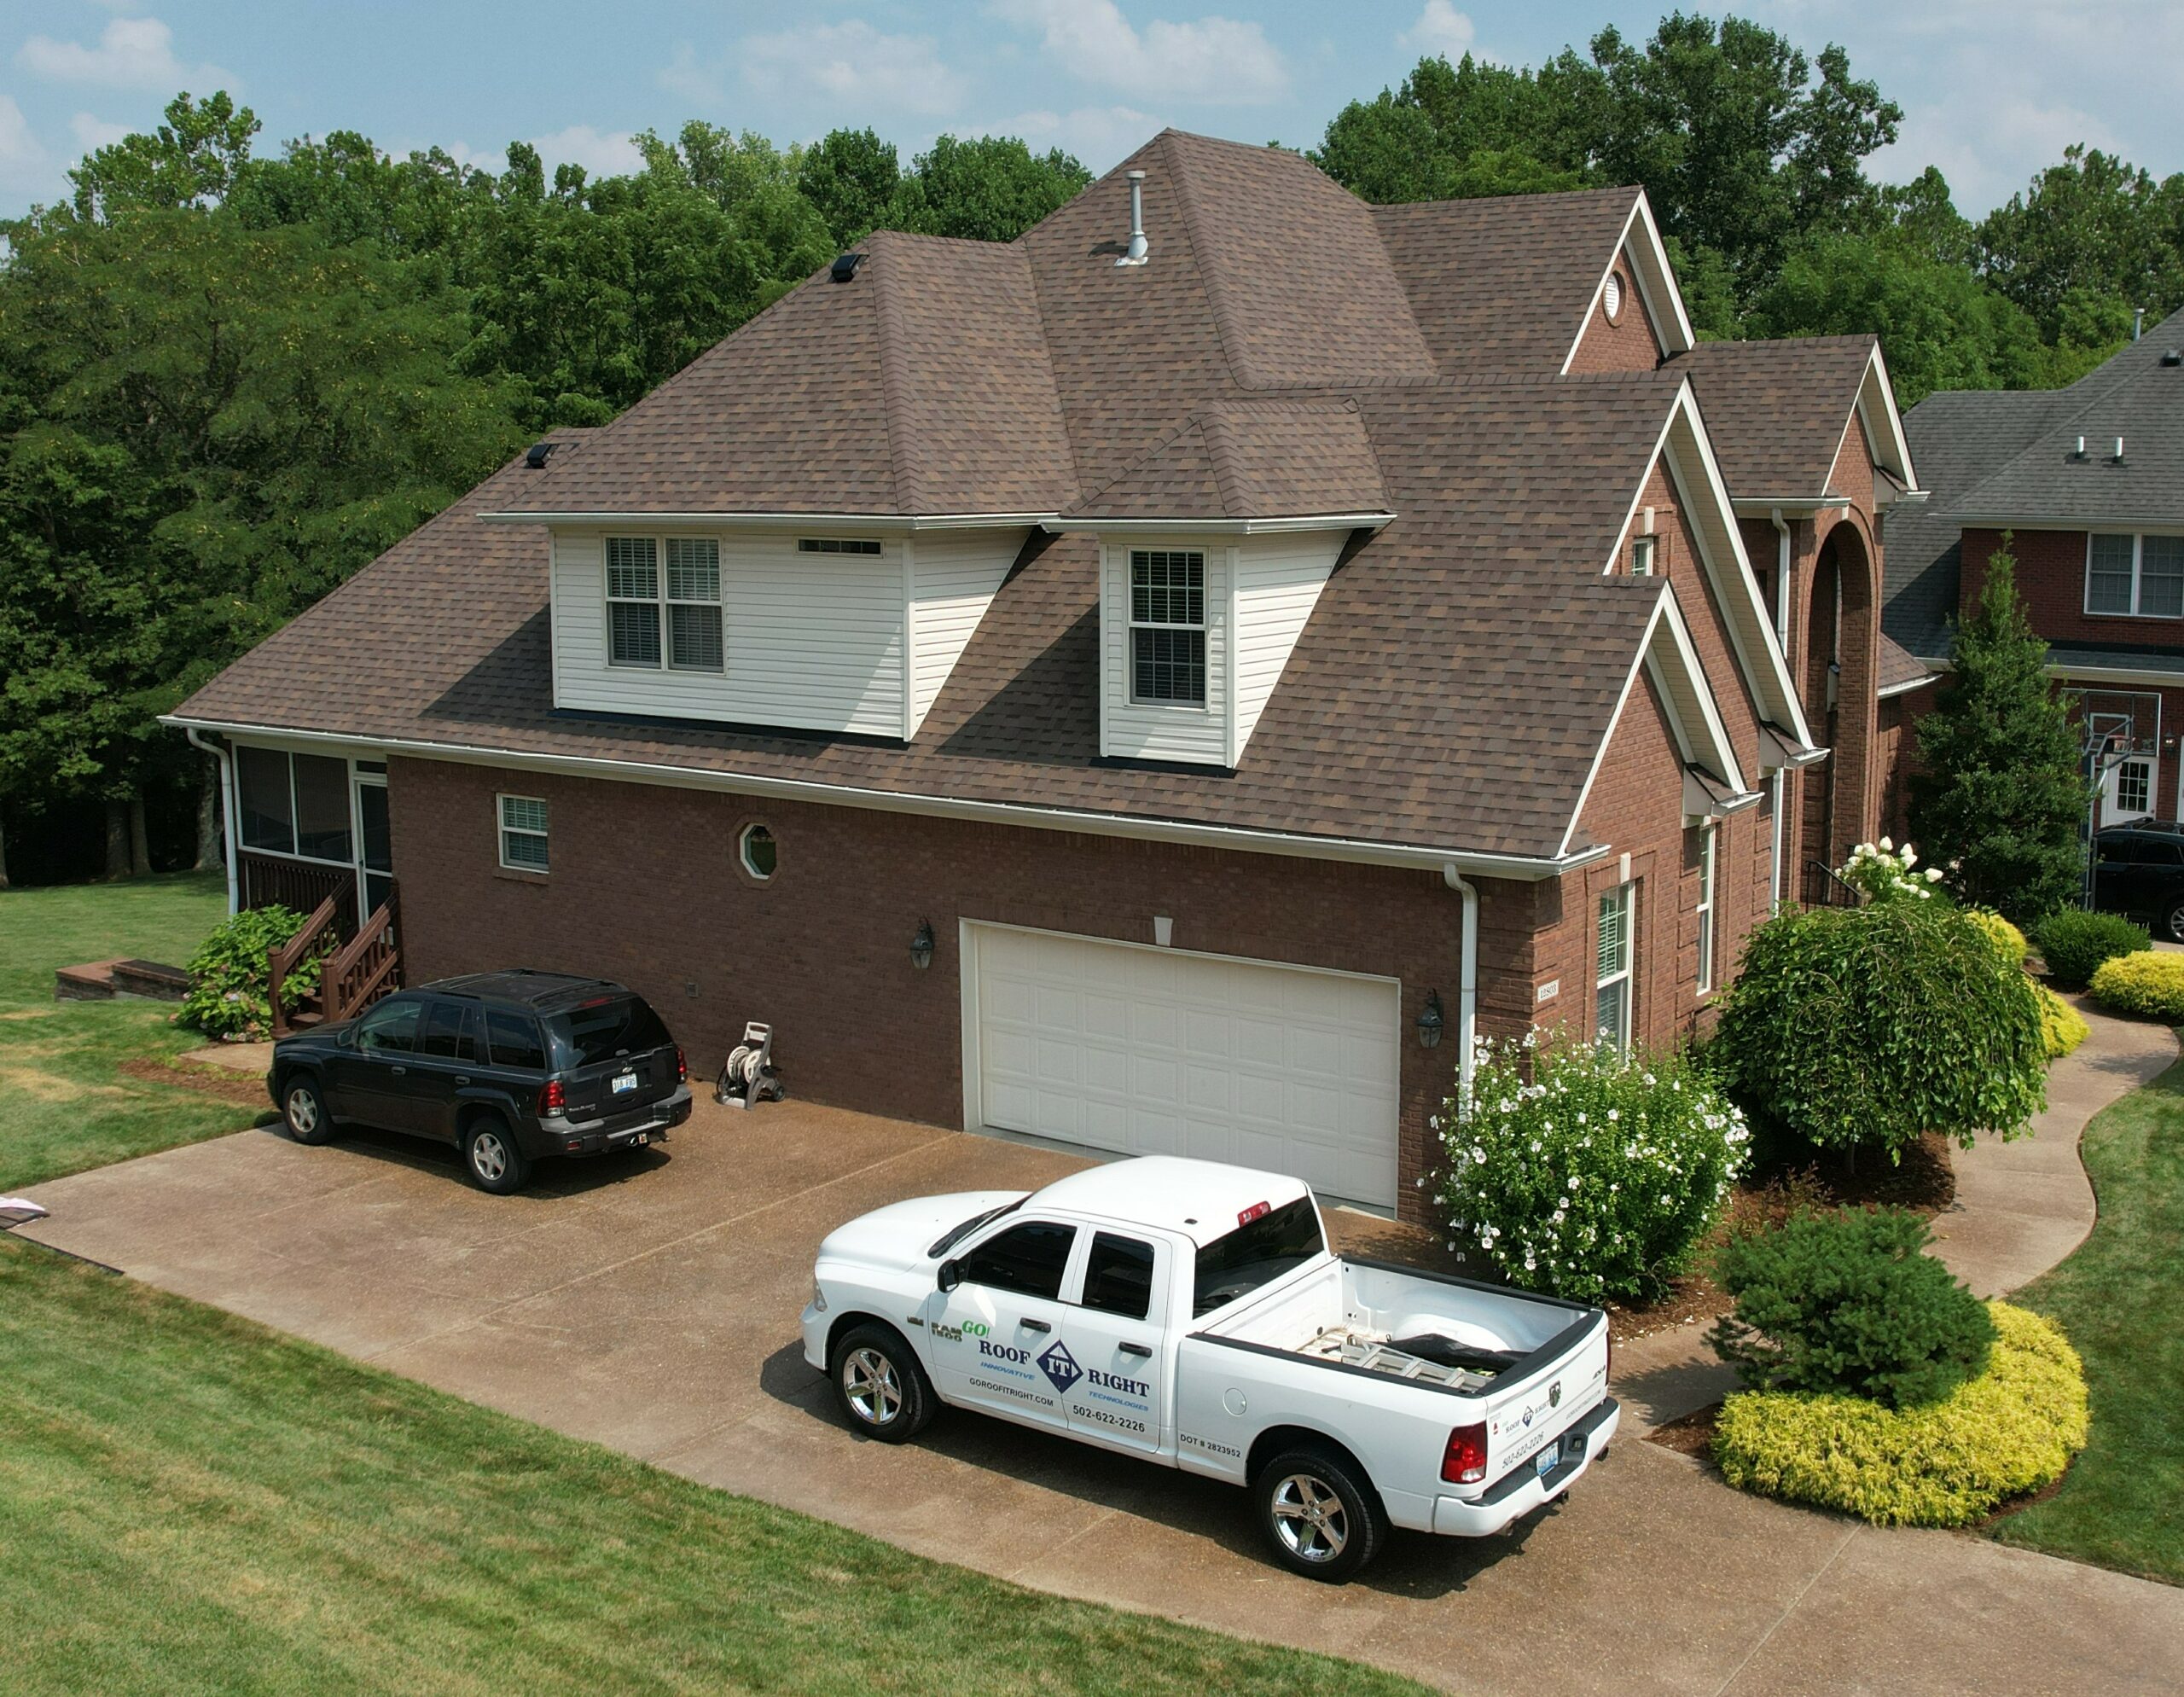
(1118, 1276)
(1029, 1259)
(1255, 1253)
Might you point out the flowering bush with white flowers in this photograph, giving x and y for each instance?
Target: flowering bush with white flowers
(1576, 1169)
(1881, 872)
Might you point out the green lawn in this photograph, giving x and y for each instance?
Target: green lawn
(65, 1105)
(189, 1502)
(2121, 1297)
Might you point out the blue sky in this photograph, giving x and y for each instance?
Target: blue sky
(1990, 91)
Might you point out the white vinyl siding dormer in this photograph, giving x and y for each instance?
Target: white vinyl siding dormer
(1259, 592)
(852, 639)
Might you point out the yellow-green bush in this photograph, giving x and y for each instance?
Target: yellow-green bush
(2149, 984)
(2009, 941)
(2061, 1024)
(2010, 1430)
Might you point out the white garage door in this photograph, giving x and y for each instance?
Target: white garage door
(1149, 1051)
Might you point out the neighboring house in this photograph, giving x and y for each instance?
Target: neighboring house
(1141, 706)
(2088, 484)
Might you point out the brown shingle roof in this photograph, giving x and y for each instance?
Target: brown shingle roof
(1776, 410)
(1251, 461)
(1898, 667)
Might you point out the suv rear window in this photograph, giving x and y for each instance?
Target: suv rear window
(600, 1031)
(1255, 1253)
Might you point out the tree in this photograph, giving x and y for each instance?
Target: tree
(190, 161)
(2000, 798)
(2094, 237)
(1456, 131)
(988, 189)
(850, 176)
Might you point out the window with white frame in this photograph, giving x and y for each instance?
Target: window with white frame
(1706, 840)
(1642, 549)
(1167, 627)
(1612, 974)
(685, 601)
(523, 833)
(2132, 788)
(2136, 576)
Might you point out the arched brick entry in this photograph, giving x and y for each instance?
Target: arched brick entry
(1843, 638)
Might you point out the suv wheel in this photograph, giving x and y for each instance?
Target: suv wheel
(879, 1385)
(491, 1157)
(2174, 922)
(1320, 1513)
(302, 1111)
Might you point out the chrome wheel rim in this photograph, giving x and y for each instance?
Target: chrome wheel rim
(869, 1381)
(1309, 1519)
(2176, 923)
(489, 1157)
(302, 1111)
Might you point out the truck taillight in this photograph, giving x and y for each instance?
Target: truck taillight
(682, 1067)
(554, 1098)
(1464, 1461)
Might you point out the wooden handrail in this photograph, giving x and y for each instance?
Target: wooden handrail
(282, 958)
(364, 968)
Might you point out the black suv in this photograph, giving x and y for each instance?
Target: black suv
(508, 1066)
(2139, 869)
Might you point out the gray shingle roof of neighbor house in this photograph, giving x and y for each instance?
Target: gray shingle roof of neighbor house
(2004, 456)
(1463, 667)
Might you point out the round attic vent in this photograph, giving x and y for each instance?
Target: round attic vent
(1612, 296)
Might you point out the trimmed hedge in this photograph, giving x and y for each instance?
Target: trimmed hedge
(2009, 942)
(2074, 943)
(2062, 1027)
(2150, 985)
(2010, 1430)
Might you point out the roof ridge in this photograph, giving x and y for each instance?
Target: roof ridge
(1221, 452)
(1224, 326)
(902, 447)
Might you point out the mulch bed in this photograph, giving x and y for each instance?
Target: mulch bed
(1691, 1434)
(209, 1081)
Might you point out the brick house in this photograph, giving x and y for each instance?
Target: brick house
(2087, 483)
(1136, 697)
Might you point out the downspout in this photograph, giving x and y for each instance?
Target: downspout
(1778, 834)
(226, 759)
(1467, 976)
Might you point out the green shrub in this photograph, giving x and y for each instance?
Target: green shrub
(2009, 942)
(2012, 1430)
(1847, 1302)
(227, 975)
(2061, 1025)
(1575, 1169)
(1851, 1026)
(2150, 985)
(2074, 943)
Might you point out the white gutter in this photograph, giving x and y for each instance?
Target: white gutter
(891, 522)
(227, 807)
(1781, 580)
(1799, 506)
(1312, 521)
(1903, 689)
(1467, 971)
(1353, 850)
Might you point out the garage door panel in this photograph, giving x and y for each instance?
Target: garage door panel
(1146, 1051)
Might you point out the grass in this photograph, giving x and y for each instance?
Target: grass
(65, 1104)
(2121, 1297)
(189, 1502)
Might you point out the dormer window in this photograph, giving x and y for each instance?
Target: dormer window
(1167, 627)
(688, 610)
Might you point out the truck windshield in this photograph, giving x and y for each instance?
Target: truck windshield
(942, 1245)
(1256, 1254)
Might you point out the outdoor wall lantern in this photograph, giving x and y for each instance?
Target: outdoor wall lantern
(922, 947)
(1430, 1021)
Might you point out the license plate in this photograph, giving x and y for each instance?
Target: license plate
(1548, 1459)
(624, 1083)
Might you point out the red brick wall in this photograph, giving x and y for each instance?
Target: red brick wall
(1628, 344)
(643, 890)
(2051, 579)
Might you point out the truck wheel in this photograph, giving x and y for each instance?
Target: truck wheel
(1320, 1513)
(302, 1111)
(491, 1157)
(881, 1389)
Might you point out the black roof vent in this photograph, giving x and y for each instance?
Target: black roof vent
(2174, 356)
(535, 456)
(845, 267)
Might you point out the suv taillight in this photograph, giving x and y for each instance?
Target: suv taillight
(554, 1098)
(1464, 1461)
(682, 1067)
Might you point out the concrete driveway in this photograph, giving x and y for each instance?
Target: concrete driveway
(650, 1304)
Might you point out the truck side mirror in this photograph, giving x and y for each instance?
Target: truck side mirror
(951, 1274)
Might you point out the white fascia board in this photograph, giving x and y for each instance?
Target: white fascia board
(1793, 506)
(1715, 751)
(1622, 701)
(1892, 689)
(1656, 281)
(2117, 674)
(890, 522)
(1346, 849)
(2170, 525)
(1752, 632)
(1314, 521)
(1877, 411)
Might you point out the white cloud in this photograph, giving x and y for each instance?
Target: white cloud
(852, 66)
(23, 164)
(1442, 29)
(601, 153)
(132, 53)
(1213, 59)
(93, 133)
(1100, 135)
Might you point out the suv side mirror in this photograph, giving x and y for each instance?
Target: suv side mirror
(951, 1274)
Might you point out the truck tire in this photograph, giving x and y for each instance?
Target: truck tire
(879, 1384)
(490, 1158)
(303, 1110)
(1320, 1513)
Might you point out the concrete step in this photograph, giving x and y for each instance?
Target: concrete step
(93, 981)
(151, 980)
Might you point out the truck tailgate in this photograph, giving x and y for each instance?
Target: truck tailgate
(1524, 1419)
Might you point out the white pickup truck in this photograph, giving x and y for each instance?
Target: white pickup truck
(1191, 1314)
